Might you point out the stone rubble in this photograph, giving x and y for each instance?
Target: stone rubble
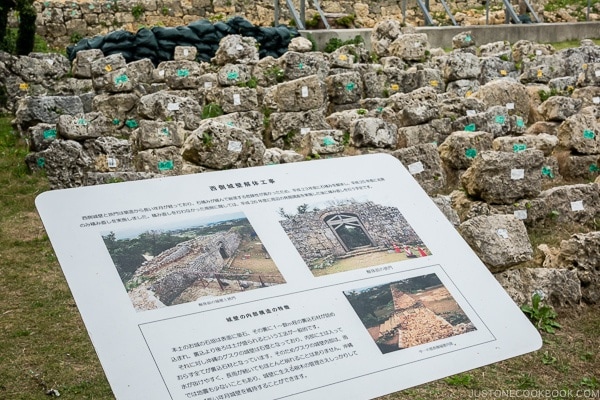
(503, 149)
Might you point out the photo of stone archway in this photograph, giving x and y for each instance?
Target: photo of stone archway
(409, 312)
(344, 235)
(169, 265)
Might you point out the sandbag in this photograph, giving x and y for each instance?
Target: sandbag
(145, 38)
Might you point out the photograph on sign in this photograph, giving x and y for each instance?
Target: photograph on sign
(346, 234)
(180, 263)
(409, 312)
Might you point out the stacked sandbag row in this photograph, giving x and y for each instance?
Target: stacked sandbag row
(158, 43)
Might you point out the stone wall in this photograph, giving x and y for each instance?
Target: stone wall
(65, 22)
(314, 239)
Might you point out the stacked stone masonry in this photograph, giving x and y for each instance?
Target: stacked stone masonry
(503, 146)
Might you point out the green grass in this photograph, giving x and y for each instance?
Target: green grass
(44, 344)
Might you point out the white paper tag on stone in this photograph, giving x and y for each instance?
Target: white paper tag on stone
(503, 233)
(304, 131)
(520, 214)
(538, 52)
(50, 62)
(417, 45)
(239, 47)
(234, 146)
(173, 106)
(304, 91)
(236, 99)
(207, 85)
(510, 106)
(111, 162)
(596, 100)
(186, 52)
(597, 72)
(471, 113)
(577, 205)
(161, 72)
(416, 168)
(517, 174)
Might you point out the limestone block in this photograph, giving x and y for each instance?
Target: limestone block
(253, 121)
(238, 99)
(38, 67)
(329, 141)
(542, 69)
(374, 84)
(463, 40)
(461, 65)
(590, 96)
(569, 204)
(460, 148)
(109, 154)
(499, 49)
(557, 287)
(41, 135)
(384, 33)
(467, 207)
(141, 71)
(417, 134)
(463, 87)
(164, 106)
(410, 47)
(344, 120)
(105, 65)
(580, 166)
(236, 49)
(64, 161)
(300, 44)
(590, 76)
(563, 84)
(424, 164)
(374, 132)
(505, 91)
(559, 108)
(276, 155)
(181, 74)
(503, 178)
(452, 106)
(162, 161)
(548, 127)
(294, 125)
(344, 88)
(500, 241)
(416, 107)
(580, 254)
(84, 126)
(116, 81)
(302, 94)
(295, 65)
(514, 144)
(188, 53)
(524, 50)
(157, 134)
(118, 108)
(46, 109)
(580, 133)
(234, 74)
(218, 146)
(493, 68)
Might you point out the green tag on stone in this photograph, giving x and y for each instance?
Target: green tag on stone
(50, 134)
(327, 141)
(301, 66)
(379, 109)
(232, 75)
(165, 165)
(82, 121)
(500, 119)
(350, 86)
(41, 162)
(183, 72)
(471, 153)
(588, 134)
(164, 131)
(594, 168)
(230, 123)
(470, 128)
(518, 147)
(547, 171)
(468, 38)
(121, 79)
(116, 121)
(131, 123)
(520, 122)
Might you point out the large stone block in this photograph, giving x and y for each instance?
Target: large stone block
(415, 108)
(569, 204)
(162, 161)
(157, 134)
(580, 133)
(374, 132)
(461, 65)
(344, 88)
(84, 126)
(514, 144)
(503, 178)
(64, 161)
(82, 64)
(302, 94)
(559, 108)
(460, 148)
(109, 154)
(236, 49)
(166, 106)
(506, 91)
(424, 164)
(238, 99)
(46, 109)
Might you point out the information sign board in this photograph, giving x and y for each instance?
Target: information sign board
(328, 279)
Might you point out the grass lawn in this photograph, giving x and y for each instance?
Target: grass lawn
(44, 345)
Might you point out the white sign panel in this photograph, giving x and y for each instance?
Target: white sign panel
(278, 282)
